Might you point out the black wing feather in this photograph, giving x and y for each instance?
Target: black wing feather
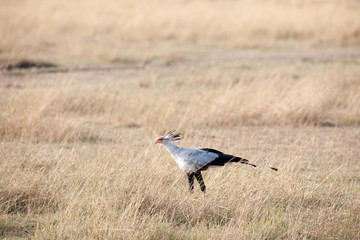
(223, 159)
(212, 150)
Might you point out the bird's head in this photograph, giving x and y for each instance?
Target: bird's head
(160, 139)
(170, 137)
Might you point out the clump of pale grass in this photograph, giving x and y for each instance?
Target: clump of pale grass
(76, 111)
(30, 115)
(327, 96)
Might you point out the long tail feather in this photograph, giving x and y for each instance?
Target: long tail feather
(225, 158)
(247, 162)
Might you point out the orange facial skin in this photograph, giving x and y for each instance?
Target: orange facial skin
(159, 140)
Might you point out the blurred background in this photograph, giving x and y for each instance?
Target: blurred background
(88, 32)
(192, 63)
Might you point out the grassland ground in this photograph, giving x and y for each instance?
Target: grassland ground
(129, 188)
(78, 160)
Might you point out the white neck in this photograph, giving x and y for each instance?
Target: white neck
(172, 148)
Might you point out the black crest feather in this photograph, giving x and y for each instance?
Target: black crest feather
(173, 136)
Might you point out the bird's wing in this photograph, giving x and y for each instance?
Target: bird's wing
(212, 150)
(214, 158)
(196, 158)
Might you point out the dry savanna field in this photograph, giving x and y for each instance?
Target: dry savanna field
(87, 86)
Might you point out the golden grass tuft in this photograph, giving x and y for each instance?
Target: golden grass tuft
(327, 95)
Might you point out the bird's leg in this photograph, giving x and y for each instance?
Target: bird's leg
(191, 182)
(200, 179)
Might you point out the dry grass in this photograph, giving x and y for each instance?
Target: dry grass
(121, 189)
(302, 94)
(77, 159)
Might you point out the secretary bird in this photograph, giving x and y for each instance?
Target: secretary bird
(194, 160)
